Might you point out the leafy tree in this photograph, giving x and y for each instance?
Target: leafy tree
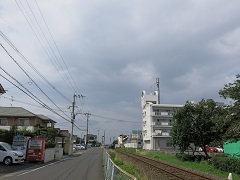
(48, 133)
(232, 91)
(198, 124)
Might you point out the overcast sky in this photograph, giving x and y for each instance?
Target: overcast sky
(110, 51)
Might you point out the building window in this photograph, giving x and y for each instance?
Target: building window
(23, 122)
(3, 122)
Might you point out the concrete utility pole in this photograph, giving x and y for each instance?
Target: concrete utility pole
(72, 122)
(158, 83)
(104, 139)
(98, 137)
(87, 115)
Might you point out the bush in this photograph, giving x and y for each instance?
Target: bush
(226, 163)
(112, 155)
(118, 162)
(50, 145)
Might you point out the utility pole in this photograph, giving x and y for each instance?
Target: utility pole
(86, 140)
(158, 83)
(72, 122)
(98, 137)
(104, 139)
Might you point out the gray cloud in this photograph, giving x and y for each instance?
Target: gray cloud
(116, 49)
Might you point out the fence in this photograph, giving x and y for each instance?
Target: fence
(112, 171)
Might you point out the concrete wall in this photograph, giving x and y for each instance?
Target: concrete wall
(53, 153)
(49, 154)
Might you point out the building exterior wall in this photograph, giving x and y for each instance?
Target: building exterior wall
(28, 123)
(156, 122)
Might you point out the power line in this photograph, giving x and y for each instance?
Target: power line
(31, 66)
(28, 93)
(47, 39)
(55, 43)
(31, 78)
(114, 119)
(41, 43)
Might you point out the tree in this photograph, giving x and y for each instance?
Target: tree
(232, 91)
(198, 124)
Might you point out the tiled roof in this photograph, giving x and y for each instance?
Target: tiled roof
(45, 118)
(15, 111)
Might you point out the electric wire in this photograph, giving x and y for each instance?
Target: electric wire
(55, 44)
(69, 80)
(75, 124)
(29, 64)
(55, 56)
(28, 93)
(114, 119)
(41, 44)
(31, 79)
(81, 104)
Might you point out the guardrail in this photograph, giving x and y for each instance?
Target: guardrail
(112, 171)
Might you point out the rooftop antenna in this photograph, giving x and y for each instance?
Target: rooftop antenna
(157, 83)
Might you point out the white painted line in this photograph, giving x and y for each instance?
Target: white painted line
(42, 167)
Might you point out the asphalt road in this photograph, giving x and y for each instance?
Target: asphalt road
(84, 166)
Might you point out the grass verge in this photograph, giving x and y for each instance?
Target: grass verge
(203, 166)
(126, 166)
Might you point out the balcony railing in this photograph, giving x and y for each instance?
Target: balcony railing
(162, 113)
(162, 123)
(161, 134)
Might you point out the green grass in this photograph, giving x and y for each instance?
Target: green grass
(202, 166)
(129, 168)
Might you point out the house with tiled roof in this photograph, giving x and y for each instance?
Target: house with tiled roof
(23, 119)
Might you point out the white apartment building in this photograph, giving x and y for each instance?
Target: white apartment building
(156, 122)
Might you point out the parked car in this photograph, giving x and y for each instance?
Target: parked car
(8, 155)
(79, 146)
(220, 149)
(82, 147)
(211, 149)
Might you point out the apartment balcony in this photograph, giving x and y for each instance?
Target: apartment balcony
(162, 114)
(159, 124)
(163, 134)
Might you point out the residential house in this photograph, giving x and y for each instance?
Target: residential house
(46, 121)
(156, 122)
(91, 139)
(134, 140)
(23, 119)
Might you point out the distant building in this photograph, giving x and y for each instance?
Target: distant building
(134, 140)
(156, 122)
(91, 139)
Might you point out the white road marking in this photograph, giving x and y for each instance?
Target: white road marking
(42, 167)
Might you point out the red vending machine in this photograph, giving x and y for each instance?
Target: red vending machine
(36, 149)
